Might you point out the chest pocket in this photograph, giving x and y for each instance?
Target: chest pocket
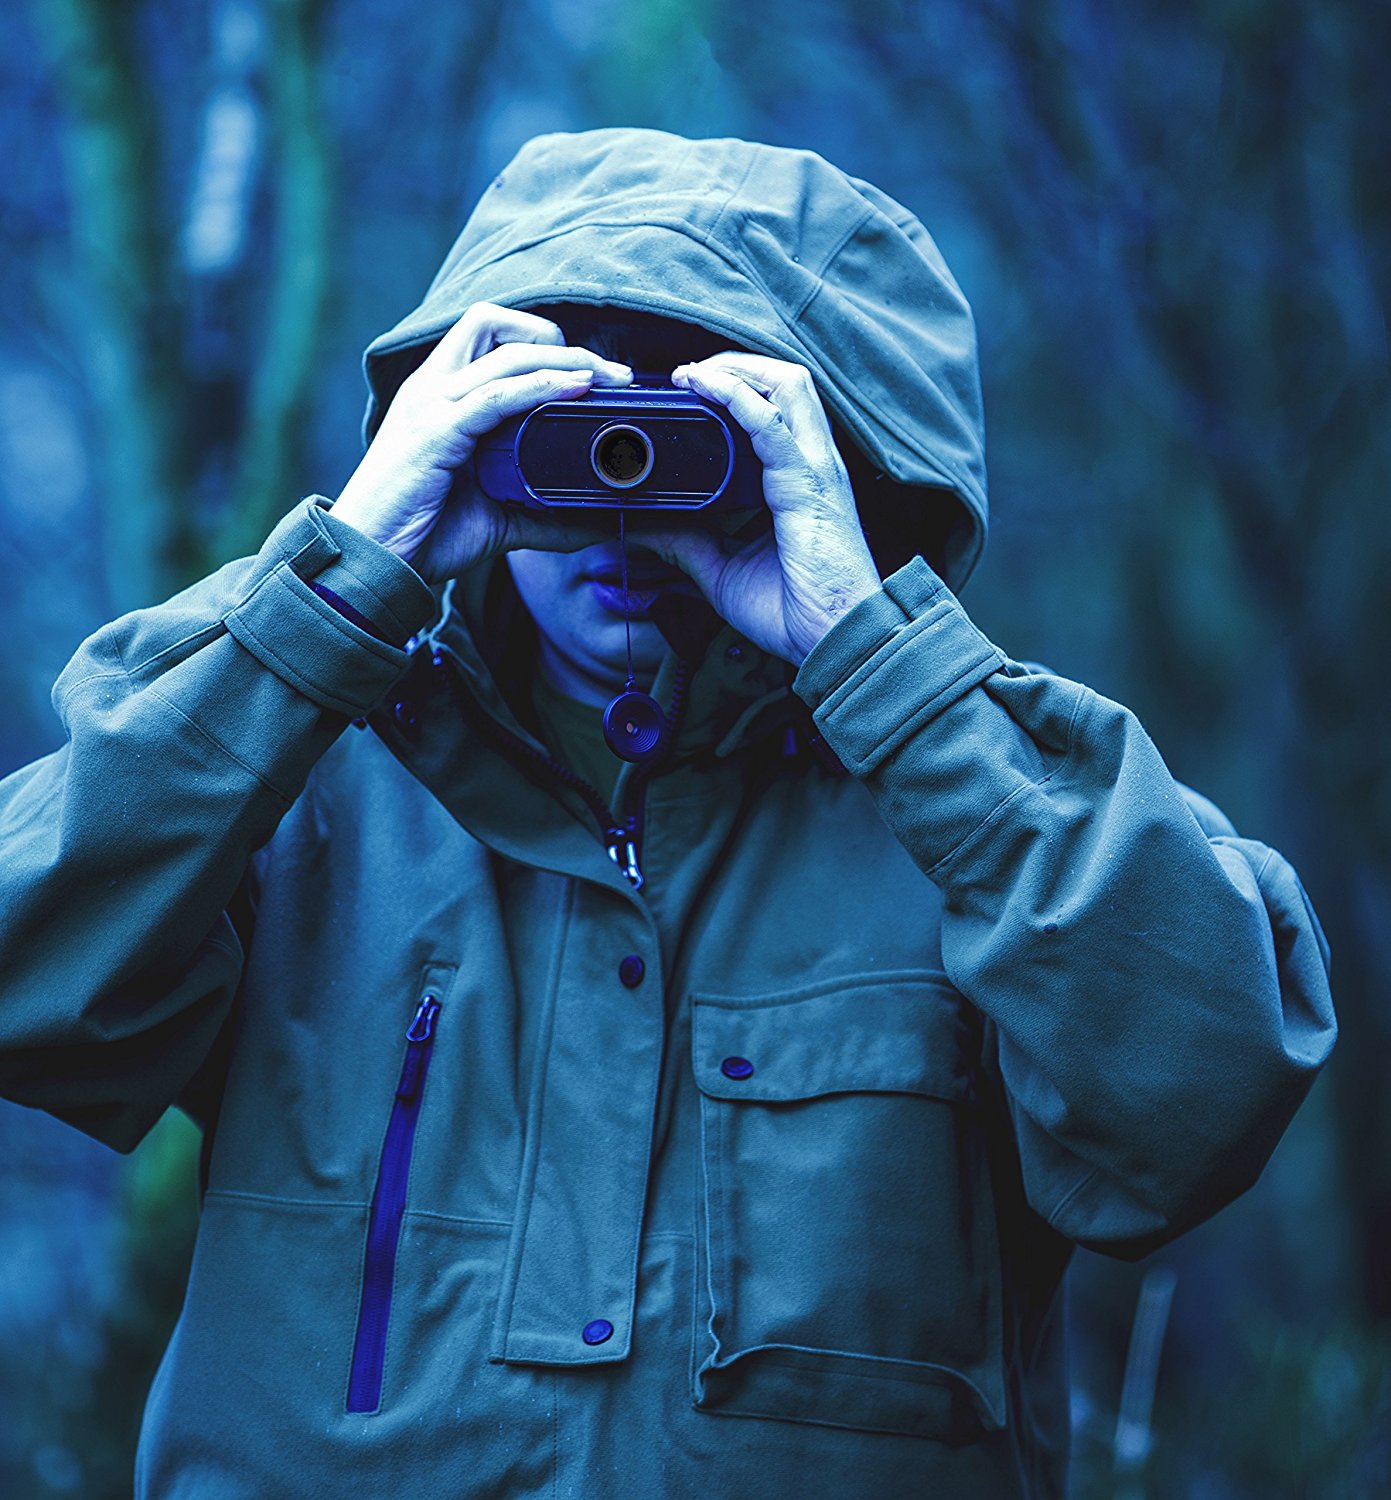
(850, 1270)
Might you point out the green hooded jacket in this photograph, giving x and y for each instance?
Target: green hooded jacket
(758, 1180)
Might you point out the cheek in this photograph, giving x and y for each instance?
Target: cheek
(567, 612)
(543, 576)
(551, 587)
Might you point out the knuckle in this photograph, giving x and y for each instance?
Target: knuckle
(501, 398)
(488, 405)
(503, 356)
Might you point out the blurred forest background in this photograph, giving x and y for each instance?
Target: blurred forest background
(1174, 223)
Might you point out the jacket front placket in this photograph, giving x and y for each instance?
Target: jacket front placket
(569, 1280)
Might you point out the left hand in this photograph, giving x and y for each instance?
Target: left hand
(786, 588)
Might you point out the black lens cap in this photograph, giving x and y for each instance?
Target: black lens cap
(633, 725)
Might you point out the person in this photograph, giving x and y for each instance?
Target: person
(717, 1126)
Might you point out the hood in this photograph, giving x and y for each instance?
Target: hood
(784, 253)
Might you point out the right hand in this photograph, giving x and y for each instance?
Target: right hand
(412, 491)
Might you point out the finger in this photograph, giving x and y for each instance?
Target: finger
(762, 372)
(522, 359)
(483, 326)
(791, 388)
(480, 410)
(508, 528)
(764, 422)
(544, 531)
(694, 550)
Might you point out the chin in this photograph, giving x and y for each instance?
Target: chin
(610, 660)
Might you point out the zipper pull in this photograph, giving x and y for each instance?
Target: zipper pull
(624, 854)
(418, 1038)
(422, 1027)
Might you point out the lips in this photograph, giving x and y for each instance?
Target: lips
(648, 578)
(636, 603)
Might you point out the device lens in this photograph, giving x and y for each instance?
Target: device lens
(621, 455)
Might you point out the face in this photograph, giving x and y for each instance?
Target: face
(576, 598)
(577, 601)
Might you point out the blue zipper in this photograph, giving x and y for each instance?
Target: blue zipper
(388, 1205)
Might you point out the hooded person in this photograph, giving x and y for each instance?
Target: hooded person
(726, 1131)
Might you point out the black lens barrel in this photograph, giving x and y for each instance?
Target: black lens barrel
(621, 455)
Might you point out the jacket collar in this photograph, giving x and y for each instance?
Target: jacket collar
(737, 694)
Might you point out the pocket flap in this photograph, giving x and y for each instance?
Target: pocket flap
(886, 1033)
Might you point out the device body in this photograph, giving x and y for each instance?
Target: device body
(643, 448)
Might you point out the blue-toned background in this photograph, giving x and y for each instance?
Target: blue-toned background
(1174, 223)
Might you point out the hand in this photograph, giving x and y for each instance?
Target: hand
(411, 491)
(785, 589)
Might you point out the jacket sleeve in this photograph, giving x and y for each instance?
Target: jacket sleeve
(190, 728)
(1157, 986)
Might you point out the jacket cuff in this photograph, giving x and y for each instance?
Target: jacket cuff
(302, 638)
(891, 664)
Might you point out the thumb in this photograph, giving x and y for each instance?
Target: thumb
(694, 551)
(528, 529)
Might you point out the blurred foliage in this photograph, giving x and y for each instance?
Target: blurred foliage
(73, 1386)
(1175, 227)
(1304, 1413)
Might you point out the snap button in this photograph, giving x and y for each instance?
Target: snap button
(734, 653)
(407, 720)
(631, 970)
(597, 1331)
(736, 1067)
